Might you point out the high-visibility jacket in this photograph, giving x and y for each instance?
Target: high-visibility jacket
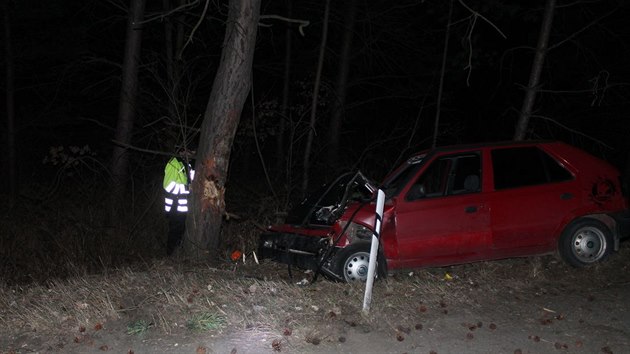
(176, 182)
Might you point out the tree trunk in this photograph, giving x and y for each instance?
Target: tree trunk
(286, 89)
(11, 161)
(127, 104)
(534, 76)
(438, 110)
(173, 40)
(318, 78)
(170, 65)
(342, 85)
(229, 92)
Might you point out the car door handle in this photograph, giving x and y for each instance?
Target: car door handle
(471, 209)
(566, 196)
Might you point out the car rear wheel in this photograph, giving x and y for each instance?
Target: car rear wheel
(585, 242)
(352, 263)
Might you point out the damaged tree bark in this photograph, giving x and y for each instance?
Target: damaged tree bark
(229, 91)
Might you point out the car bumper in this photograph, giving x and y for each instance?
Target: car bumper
(292, 249)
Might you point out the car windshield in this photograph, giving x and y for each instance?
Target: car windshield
(399, 178)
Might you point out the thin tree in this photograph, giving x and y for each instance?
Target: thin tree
(342, 84)
(318, 78)
(127, 103)
(11, 167)
(229, 92)
(286, 89)
(534, 76)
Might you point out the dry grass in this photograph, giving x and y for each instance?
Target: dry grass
(164, 296)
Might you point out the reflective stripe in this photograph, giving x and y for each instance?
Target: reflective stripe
(168, 201)
(192, 174)
(170, 186)
(167, 208)
(182, 208)
(182, 201)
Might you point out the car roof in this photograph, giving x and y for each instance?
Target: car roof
(507, 143)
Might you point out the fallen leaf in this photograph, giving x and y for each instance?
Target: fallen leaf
(201, 350)
(233, 351)
(422, 308)
(287, 331)
(418, 326)
(400, 337)
(103, 348)
(82, 329)
(578, 344)
(98, 326)
(469, 335)
(492, 326)
(518, 351)
(276, 345)
(342, 339)
(607, 350)
(130, 351)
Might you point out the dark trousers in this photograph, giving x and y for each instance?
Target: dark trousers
(176, 229)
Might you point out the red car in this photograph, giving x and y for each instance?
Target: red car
(461, 204)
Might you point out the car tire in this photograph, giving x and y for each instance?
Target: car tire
(351, 262)
(585, 241)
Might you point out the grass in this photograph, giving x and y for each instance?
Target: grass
(164, 297)
(138, 327)
(205, 321)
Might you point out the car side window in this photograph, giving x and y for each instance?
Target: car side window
(449, 175)
(525, 166)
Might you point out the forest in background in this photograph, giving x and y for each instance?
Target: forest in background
(384, 78)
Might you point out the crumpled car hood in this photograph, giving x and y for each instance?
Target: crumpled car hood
(324, 206)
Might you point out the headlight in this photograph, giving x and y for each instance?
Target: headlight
(356, 232)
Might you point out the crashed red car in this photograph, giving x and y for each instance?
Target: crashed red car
(460, 204)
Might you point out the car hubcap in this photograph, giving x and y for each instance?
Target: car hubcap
(589, 244)
(356, 267)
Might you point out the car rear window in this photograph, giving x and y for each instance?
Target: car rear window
(525, 166)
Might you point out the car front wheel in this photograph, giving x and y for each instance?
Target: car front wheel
(585, 242)
(352, 263)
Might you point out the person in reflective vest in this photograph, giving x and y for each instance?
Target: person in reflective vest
(177, 177)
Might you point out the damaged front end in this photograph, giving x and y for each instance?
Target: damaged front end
(308, 239)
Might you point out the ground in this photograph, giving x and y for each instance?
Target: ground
(525, 305)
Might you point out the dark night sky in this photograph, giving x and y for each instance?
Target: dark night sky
(68, 55)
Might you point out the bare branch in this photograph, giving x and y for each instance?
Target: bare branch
(303, 23)
(192, 33)
(477, 14)
(576, 33)
(154, 152)
(177, 9)
(572, 130)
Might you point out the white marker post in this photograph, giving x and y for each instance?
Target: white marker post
(367, 298)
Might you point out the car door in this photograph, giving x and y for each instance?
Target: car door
(533, 194)
(441, 217)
